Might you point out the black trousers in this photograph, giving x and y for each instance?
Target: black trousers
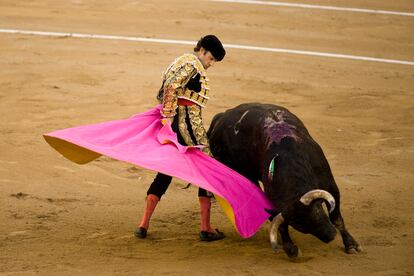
(162, 181)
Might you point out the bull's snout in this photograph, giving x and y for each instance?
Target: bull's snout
(327, 236)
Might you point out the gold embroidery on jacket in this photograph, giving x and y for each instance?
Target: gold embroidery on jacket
(169, 100)
(194, 112)
(182, 126)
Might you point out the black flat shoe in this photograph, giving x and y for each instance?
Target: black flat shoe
(211, 236)
(141, 232)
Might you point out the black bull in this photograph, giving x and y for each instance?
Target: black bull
(267, 143)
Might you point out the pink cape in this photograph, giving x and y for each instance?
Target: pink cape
(142, 140)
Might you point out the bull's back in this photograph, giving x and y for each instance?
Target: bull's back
(238, 138)
(242, 126)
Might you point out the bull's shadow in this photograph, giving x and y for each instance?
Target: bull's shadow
(267, 143)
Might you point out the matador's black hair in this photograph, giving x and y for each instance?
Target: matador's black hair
(213, 44)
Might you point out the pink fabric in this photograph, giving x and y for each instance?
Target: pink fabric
(141, 140)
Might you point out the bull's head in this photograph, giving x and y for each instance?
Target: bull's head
(307, 216)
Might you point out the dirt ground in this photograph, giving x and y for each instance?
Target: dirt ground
(59, 218)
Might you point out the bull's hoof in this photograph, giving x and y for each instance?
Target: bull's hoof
(354, 249)
(276, 248)
(292, 251)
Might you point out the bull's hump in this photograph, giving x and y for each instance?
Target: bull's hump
(276, 127)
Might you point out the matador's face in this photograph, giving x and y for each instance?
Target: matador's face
(206, 58)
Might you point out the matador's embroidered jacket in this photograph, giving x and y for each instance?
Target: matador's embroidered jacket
(183, 94)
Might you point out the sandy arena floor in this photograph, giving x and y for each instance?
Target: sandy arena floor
(59, 218)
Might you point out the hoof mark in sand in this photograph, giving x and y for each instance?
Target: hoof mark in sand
(46, 216)
(64, 169)
(8, 180)
(8, 162)
(19, 195)
(17, 233)
(124, 237)
(97, 235)
(133, 170)
(96, 184)
(58, 201)
(61, 200)
(16, 215)
(378, 240)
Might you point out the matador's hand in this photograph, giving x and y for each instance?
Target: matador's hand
(165, 120)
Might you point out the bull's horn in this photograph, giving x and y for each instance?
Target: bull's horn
(274, 227)
(314, 194)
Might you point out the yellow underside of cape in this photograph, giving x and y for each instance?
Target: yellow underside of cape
(74, 153)
(227, 209)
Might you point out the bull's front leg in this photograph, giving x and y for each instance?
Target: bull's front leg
(351, 245)
(288, 245)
